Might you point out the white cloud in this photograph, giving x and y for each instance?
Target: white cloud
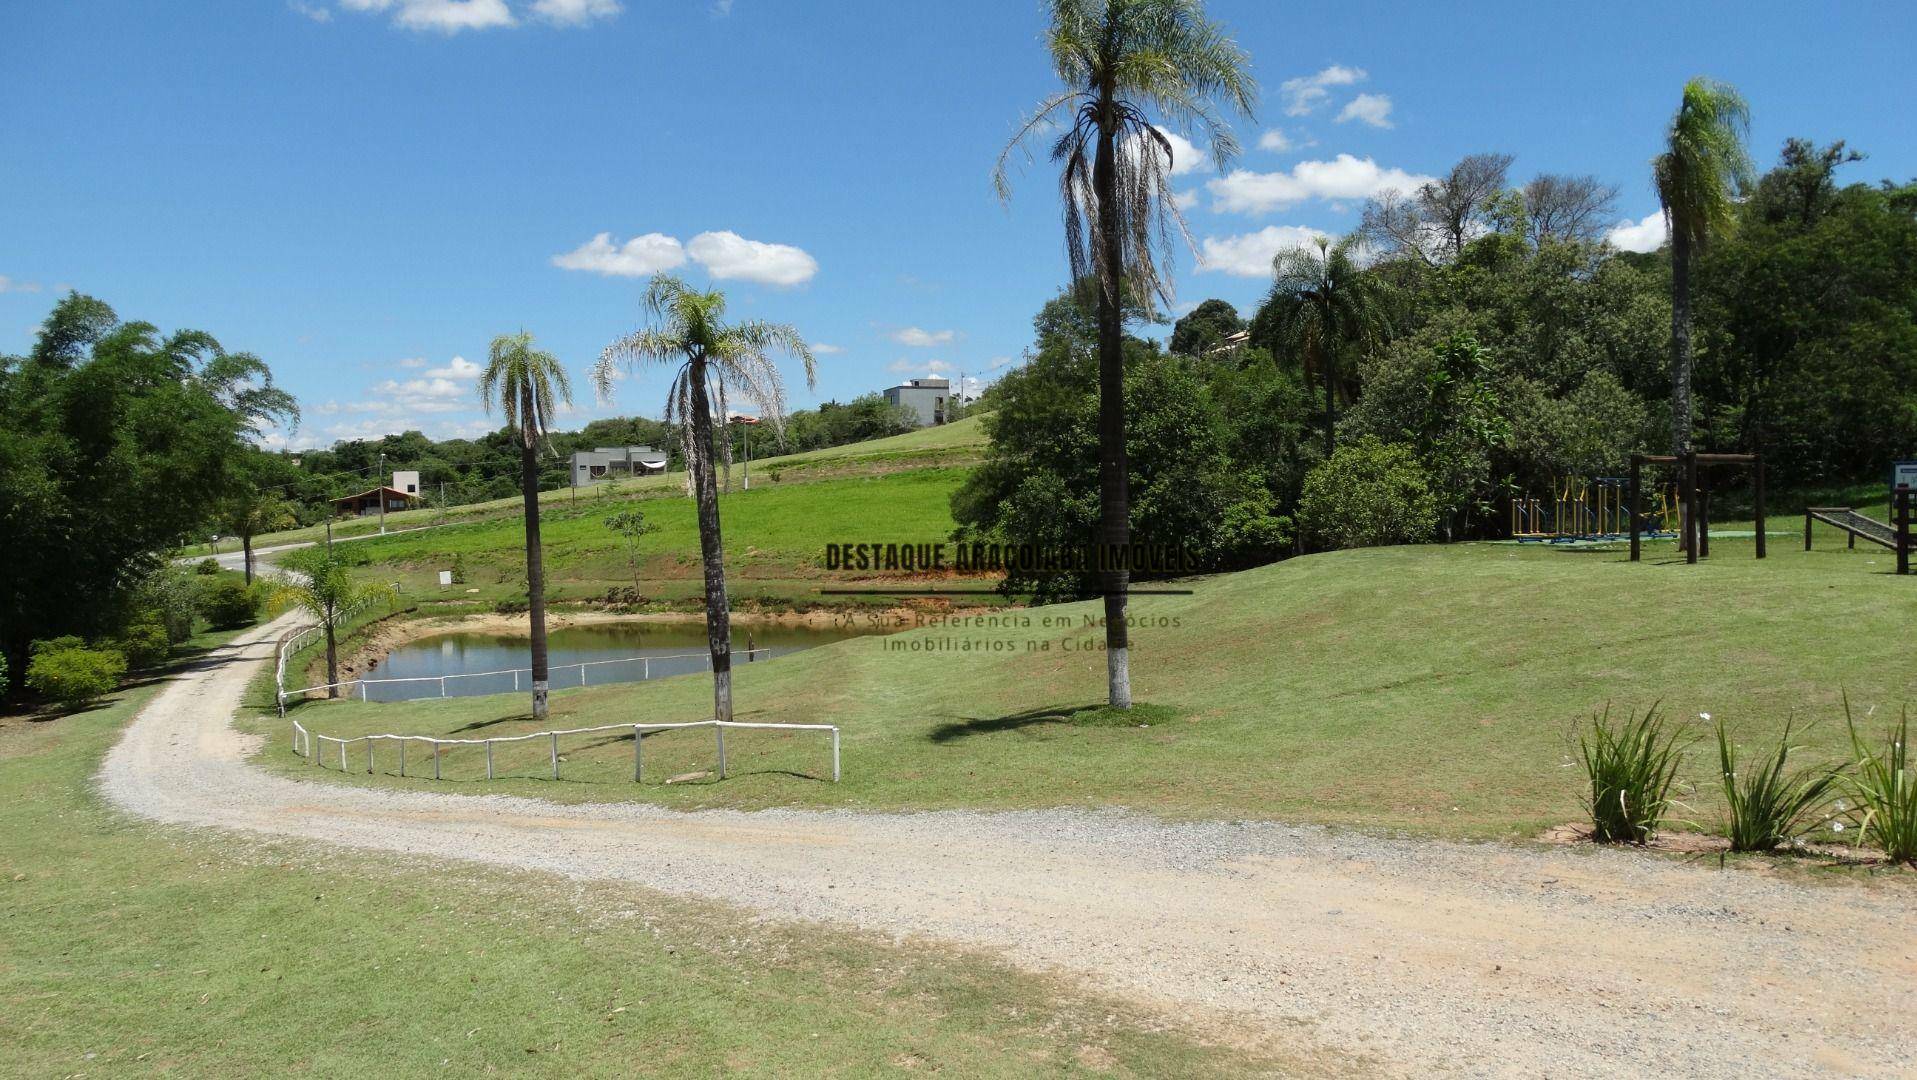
(1187, 157)
(1250, 254)
(721, 8)
(312, 11)
(924, 339)
(727, 255)
(444, 16)
(905, 365)
(1344, 177)
(8, 285)
(1308, 92)
(575, 12)
(1648, 234)
(1185, 200)
(1373, 109)
(641, 256)
(820, 348)
(997, 362)
(1275, 140)
(458, 368)
(413, 362)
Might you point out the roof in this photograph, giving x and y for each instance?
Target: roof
(369, 492)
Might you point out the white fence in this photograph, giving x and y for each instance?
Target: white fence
(309, 744)
(289, 646)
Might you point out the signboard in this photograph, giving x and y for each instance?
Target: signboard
(1903, 472)
(445, 578)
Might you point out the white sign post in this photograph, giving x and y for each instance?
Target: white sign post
(445, 578)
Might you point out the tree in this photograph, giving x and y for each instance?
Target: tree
(522, 381)
(1321, 304)
(714, 359)
(1434, 223)
(1116, 59)
(630, 524)
(323, 588)
(1562, 209)
(1702, 170)
(254, 504)
(1205, 328)
(1370, 493)
(116, 445)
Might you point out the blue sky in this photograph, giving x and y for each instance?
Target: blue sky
(364, 192)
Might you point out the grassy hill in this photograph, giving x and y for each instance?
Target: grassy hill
(1430, 689)
(956, 444)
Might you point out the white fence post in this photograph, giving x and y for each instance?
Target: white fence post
(489, 759)
(362, 689)
(555, 755)
(342, 755)
(442, 686)
(720, 727)
(638, 762)
(435, 759)
(402, 757)
(369, 755)
(835, 755)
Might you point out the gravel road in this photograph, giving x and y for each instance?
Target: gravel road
(1421, 956)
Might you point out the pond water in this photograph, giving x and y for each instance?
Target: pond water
(613, 653)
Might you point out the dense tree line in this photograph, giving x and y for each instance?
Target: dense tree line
(1486, 329)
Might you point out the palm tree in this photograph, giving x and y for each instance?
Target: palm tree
(714, 359)
(1698, 176)
(321, 586)
(251, 512)
(521, 380)
(1120, 61)
(1322, 304)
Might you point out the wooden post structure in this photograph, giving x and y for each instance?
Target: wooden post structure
(1637, 508)
(1807, 530)
(1688, 505)
(1757, 480)
(1704, 519)
(1902, 501)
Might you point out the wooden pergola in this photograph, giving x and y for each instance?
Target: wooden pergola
(1694, 506)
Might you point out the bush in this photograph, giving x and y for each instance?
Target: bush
(1886, 791)
(1770, 808)
(56, 644)
(3, 675)
(1368, 494)
(511, 605)
(146, 645)
(228, 604)
(1631, 769)
(207, 567)
(75, 676)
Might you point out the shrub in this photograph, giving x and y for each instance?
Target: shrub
(228, 604)
(511, 605)
(56, 644)
(1631, 768)
(3, 675)
(208, 567)
(1369, 493)
(1886, 792)
(1769, 807)
(74, 676)
(145, 645)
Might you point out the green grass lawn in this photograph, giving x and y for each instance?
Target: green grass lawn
(130, 949)
(1428, 689)
(955, 444)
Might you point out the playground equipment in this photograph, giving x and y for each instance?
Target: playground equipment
(1694, 503)
(1582, 510)
(1895, 535)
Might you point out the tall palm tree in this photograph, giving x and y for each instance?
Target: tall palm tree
(1321, 305)
(522, 380)
(1121, 62)
(714, 360)
(1699, 175)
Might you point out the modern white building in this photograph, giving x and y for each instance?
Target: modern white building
(928, 399)
(407, 482)
(614, 462)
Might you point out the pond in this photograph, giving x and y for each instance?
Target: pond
(611, 653)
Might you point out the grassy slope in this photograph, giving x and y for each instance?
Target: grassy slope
(775, 538)
(1432, 689)
(952, 443)
(127, 946)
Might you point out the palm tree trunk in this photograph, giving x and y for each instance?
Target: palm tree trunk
(246, 559)
(332, 663)
(1114, 499)
(535, 563)
(1331, 404)
(711, 548)
(1680, 355)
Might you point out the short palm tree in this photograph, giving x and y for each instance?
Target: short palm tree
(251, 512)
(320, 585)
(1699, 175)
(1323, 304)
(714, 360)
(523, 381)
(1121, 63)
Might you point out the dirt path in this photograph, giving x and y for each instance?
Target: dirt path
(1423, 956)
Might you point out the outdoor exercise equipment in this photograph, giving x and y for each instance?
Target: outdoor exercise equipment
(1694, 503)
(1582, 510)
(1895, 535)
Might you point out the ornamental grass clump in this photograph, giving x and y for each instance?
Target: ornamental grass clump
(1632, 769)
(1886, 792)
(1771, 806)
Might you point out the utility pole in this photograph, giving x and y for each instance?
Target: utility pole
(382, 492)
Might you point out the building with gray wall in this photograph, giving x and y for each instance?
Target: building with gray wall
(616, 462)
(928, 399)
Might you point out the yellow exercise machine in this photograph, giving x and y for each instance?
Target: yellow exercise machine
(1597, 509)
